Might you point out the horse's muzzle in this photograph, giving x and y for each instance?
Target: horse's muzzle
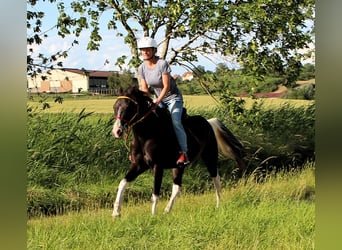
(117, 130)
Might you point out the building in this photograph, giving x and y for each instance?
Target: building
(69, 80)
(187, 76)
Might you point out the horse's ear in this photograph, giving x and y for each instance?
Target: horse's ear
(134, 88)
(131, 90)
(120, 91)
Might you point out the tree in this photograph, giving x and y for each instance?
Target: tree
(261, 35)
(120, 80)
(307, 72)
(35, 36)
(221, 68)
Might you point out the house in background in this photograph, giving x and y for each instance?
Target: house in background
(187, 76)
(70, 80)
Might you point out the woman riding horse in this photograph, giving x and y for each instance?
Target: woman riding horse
(155, 144)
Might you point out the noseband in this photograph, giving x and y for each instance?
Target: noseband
(136, 103)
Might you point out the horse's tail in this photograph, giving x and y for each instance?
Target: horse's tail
(229, 147)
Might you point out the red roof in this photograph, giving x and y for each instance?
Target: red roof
(90, 73)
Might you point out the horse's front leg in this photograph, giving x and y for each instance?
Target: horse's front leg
(176, 187)
(119, 197)
(158, 177)
(134, 171)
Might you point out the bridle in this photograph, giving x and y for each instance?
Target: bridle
(131, 125)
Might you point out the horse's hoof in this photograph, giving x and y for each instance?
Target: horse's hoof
(115, 216)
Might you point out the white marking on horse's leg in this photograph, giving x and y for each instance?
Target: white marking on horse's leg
(217, 185)
(154, 203)
(119, 197)
(175, 192)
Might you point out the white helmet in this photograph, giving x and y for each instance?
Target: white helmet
(147, 42)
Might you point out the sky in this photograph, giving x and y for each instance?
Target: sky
(111, 47)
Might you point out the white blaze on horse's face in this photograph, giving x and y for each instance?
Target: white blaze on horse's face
(117, 130)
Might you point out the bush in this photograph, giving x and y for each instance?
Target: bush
(306, 92)
(307, 72)
(235, 81)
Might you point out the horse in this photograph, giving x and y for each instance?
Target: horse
(154, 144)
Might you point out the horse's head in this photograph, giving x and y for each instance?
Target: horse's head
(131, 105)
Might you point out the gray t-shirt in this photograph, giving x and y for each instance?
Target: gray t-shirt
(153, 78)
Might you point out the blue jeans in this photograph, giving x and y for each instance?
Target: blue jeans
(175, 106)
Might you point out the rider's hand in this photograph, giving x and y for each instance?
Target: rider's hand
(154, 106)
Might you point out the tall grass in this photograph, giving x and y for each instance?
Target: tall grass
(278, 213)
(66, 154)
(280, 136)
(73, 162)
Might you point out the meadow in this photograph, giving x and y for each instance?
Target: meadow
(74, 166)
(192, 102)
(276, 214)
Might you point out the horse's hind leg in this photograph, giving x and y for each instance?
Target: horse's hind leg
(210, 159)
(177, 183)
(217, 184)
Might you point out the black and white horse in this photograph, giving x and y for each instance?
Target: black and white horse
(154, 145)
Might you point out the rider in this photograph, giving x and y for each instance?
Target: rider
(154, 72)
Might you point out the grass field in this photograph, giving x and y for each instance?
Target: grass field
(105, 105)
(276, 214)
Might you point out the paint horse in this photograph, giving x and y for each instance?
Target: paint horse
(154, 145)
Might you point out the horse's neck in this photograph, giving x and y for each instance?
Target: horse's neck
(157, 122)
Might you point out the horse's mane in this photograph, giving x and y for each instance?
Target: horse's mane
(136, 94)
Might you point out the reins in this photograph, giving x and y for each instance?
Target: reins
(136, 103)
